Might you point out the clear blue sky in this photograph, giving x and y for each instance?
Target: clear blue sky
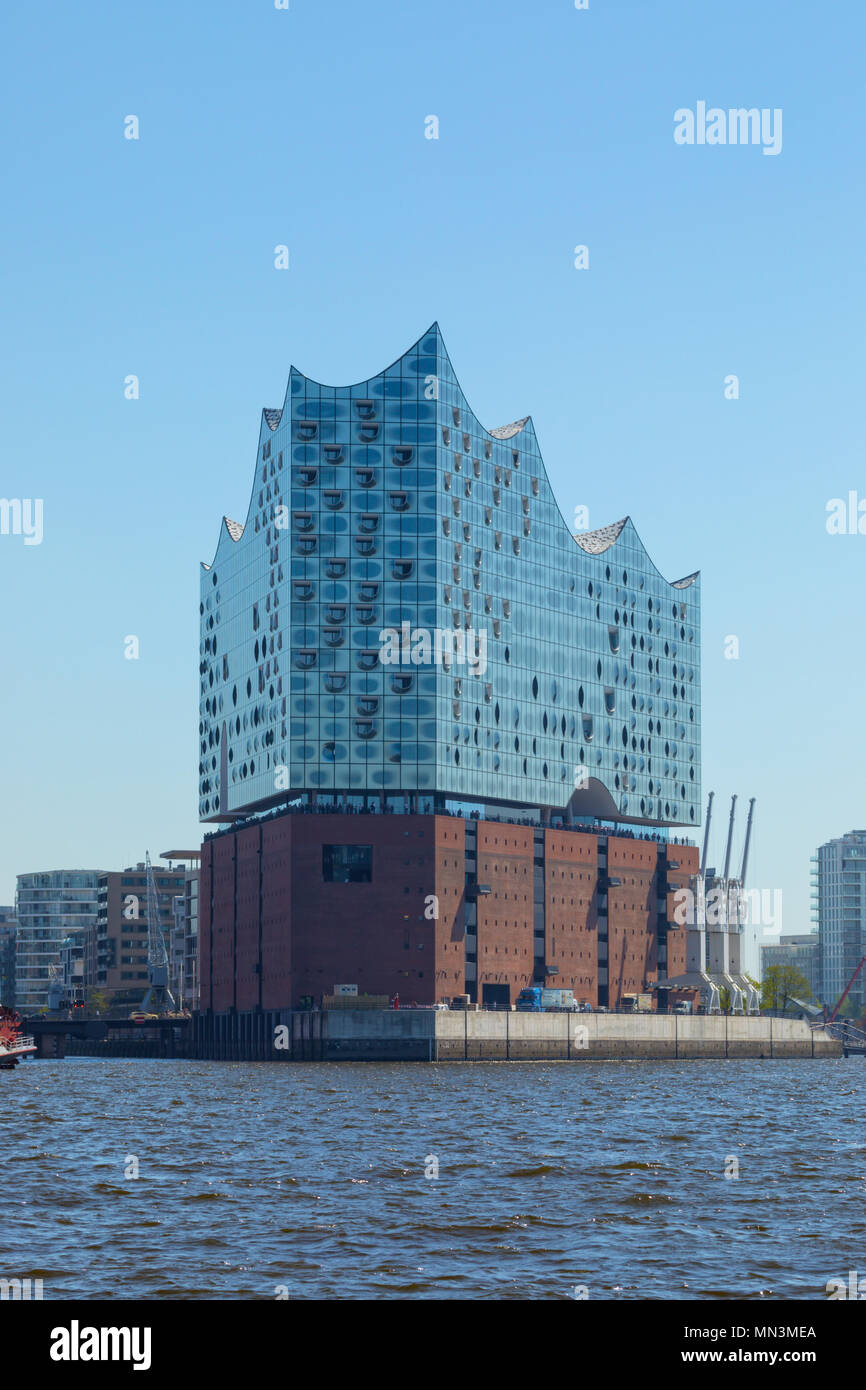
(306, 127)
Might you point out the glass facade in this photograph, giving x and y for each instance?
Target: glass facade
(49, 907)
(839, 906)
(405, 611)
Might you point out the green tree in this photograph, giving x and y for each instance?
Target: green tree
(781, 984)
(850, 1009)
(97, 1001)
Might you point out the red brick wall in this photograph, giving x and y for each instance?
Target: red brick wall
(505, 915)
(570, 867)
(223, 933)
(373, 935)
(449, 866)
(275, 910)
(632, 916)
(204, 926)
(688, 858)
(248, 912)
(277, 913)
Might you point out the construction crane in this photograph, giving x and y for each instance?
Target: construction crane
(841, 1000)
(159, 998)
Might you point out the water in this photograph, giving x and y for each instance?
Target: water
(551, 1176)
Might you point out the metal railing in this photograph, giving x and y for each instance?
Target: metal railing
(843, 1032)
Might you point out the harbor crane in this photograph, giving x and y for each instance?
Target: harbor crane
(714, 945)
(707, 833)
(727, 890)
(748, 839)
(159, 998)
(730, 839)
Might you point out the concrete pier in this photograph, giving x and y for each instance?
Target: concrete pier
(487, 1036)
(428, 1035)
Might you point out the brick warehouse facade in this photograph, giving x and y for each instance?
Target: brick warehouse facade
(430, 906)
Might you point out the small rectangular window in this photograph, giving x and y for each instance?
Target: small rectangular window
(347, 863)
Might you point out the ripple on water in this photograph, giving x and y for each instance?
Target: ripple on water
(607, 1175)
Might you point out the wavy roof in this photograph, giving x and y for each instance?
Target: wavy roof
(598, 541)
(509, 431)
(594, 542)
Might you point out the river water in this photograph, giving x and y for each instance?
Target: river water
(604, 1180)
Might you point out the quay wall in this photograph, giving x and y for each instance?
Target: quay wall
(430, 1035)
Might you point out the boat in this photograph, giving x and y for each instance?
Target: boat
(13, 1043)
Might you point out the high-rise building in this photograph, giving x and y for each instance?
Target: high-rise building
(839, 909)
(405, 617)
(8, 928)
(435, 717)
(49, 906)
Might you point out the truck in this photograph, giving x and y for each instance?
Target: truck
(536, 1000)
(636, 1004)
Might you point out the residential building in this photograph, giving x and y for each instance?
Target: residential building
(8, 927)
(839, 911)
(116, 950)
(50, 906)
